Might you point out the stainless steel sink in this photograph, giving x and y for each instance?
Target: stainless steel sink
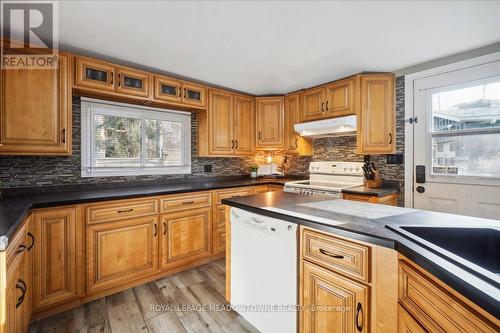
(475, 249)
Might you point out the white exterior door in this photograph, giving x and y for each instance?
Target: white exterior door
(456, 142)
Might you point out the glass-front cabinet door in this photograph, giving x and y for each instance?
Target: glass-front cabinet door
(94, 74)
(167, 89)
(193, 94)
(132, 82)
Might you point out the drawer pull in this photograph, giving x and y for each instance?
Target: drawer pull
(330, 254)
(125, 210)
(359, 311)
(188, 202)
(22, 286)
(30, 235)
(21, 249)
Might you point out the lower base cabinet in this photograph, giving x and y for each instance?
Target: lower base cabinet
(185, 237)
(118, 252)
(332, 303)
(17, 305)
(58, 252)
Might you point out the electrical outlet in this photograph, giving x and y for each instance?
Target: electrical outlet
(395, 159)
(207, 168)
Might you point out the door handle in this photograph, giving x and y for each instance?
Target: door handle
(63, 135)
(164, 228)
(21, 285)
(155, 230)
(322, 105)
(260, 136)
(359, 312)
(119, 81)
(30, 235)
(232, 144)
(390, 138)
(236, 147)
(111, 78)
(179, 91)
(327, 106)
(185, 90)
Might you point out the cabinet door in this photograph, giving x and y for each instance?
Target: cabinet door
(341, 305)
(167, 89)
(185, 237)
(376, 118)
(93, 73)
(132, 82)
(57, 256)
(244, 125)
(270, 122)
(35, 111)
(340, 98)
(219, 229)
(406, 323)
(120, 252)
(194, 94)
(220, 113)
(313, 106)
(292, 103)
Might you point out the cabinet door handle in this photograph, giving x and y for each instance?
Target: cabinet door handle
(21, 248)
(359, 313)
(322, 107)
(232, 144)
(185, 91)
(112, 74)
(30, 235)
(179, 91)
(119, 80)
(63, 135)
(164, 228)
(188, 202)
(296, 142)
(326, 105)
(124, 210)
(260, 136)
(236, 147)
(330, 254)
(22, 286)
(155, 230)
(390, 138)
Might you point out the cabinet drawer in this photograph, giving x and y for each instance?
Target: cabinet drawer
(341, 256)
(179, 202)
(434, 306)
(17, 247)
(224, 194)
(117, 210)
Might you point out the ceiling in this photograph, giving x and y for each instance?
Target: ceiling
(276, 47)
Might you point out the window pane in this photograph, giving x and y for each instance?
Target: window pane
(163, 143)
(467, 108)
(117, 141)
(467, 155)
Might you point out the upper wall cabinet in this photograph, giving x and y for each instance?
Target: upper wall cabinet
(103, 79)
(227, 128)
(376, 114)
(294, 143)
(331, 100)
(35, 110)
(270, 122)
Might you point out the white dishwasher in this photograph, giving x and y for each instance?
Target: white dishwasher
(264, 271)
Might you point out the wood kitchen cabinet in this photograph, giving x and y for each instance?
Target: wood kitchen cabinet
(270, 122)
(313, 104)
(35, 110)
(407, 324)
(186, 236)
(376, 114)
(244, 125)
(121, 251)
(194, 94)
(228, 126)
(167, 89)
(294, 143)
(58, 251)
(341, 305)
(132, 82)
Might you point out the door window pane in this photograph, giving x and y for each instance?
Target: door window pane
(194, 95)
(95, 74)
(467, 108)
(132, 82)
(117, 141)
(163, 143)
(168, 90)
(466, 155)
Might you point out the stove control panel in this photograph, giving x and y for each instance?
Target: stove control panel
(337, 168)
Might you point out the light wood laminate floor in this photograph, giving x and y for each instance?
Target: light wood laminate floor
(186, 302)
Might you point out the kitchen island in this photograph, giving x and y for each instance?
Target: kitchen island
(434, 290)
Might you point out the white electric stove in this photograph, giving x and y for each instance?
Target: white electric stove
(328, 178)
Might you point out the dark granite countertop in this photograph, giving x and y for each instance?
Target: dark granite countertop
(367, 222)
(14, 209)
(379, 192)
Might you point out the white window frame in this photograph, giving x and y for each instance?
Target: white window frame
(91, 107)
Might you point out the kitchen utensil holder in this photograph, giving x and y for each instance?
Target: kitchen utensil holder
(375, 183)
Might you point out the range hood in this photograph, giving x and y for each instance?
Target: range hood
(339, 126)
